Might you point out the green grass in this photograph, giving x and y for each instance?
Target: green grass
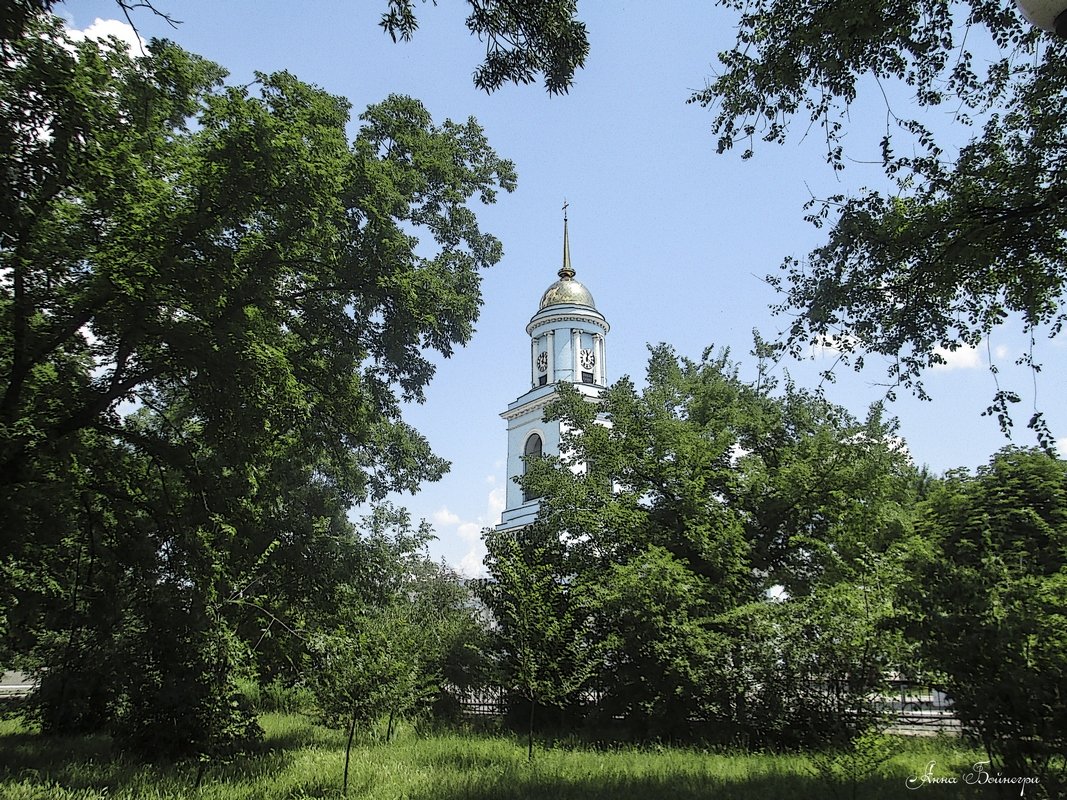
(303, 760)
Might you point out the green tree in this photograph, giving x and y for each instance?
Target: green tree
(968, 237)
(212, 305)
(368, 669)
(427, 605)
(542, 613)
(383, 653)
(992, 589)
(683, 505)
(664, 649)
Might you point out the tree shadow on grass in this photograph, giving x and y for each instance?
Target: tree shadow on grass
(299, 732)
(96, 763)
(78, 762)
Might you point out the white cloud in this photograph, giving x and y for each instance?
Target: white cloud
(495, 505)
(470, 531)
(103, 28)
(964, 357)
(1061, 447)
(898, 445)
(471, 564)
(443, 516)
(1001, 351)
(737, 452)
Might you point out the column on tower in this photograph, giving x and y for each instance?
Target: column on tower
(601, 367)
(550, 342)
(576, 349)
(533, 361)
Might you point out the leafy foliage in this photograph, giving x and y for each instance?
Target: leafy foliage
(542, 609)
(211, 306)
(397, 619)
(522, 40)
(676, 510)
(385, 650)
(845, 770)
(993, 588)
(969, 238)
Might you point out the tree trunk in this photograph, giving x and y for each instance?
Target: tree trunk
(529, 740)
(348, 751)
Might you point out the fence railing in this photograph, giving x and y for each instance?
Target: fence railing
(910, 707)
(918, 708)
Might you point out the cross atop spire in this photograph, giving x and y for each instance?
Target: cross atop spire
(566, 272)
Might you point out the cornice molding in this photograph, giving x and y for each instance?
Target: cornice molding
(570, 316)
(540, 402)
(527, 407)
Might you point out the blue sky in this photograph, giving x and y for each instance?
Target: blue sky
(671, 238)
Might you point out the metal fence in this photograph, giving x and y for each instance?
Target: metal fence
(911, 708)
(487, 701)
(918, 709)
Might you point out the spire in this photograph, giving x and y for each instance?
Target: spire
(566, 272)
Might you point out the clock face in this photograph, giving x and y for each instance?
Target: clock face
(542, 362)
(587, 358)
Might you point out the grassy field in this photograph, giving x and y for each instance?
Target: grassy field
(303, 760)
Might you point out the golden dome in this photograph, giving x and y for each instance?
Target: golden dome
(567, 291)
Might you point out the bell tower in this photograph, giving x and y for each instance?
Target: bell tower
(567, 345)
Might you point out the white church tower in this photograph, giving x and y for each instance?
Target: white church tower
(566, 346)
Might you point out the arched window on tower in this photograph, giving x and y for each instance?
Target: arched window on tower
(533, 449)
